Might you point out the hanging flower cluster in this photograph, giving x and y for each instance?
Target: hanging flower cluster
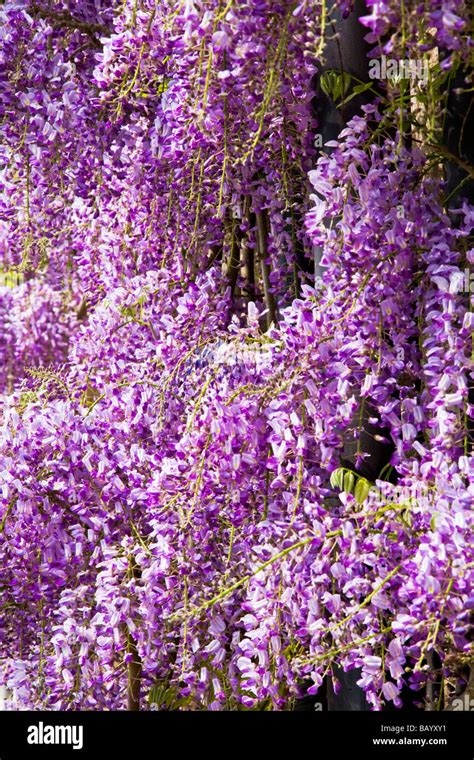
(177, 391)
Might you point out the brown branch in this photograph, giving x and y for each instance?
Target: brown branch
(234, 262)
(134, 676)
(262, 235)
(247, 255)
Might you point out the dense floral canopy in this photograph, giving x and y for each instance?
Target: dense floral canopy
(177, 387)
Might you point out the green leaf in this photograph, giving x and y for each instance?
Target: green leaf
(358, 89)
(334, 84)
(349, 482)
(361, 490)
(336, 478)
